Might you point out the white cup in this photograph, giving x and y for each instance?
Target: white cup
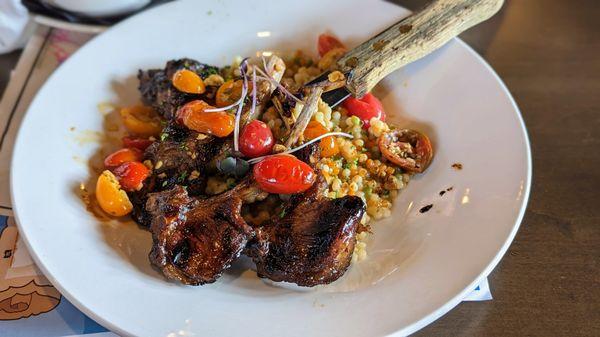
(99, 8)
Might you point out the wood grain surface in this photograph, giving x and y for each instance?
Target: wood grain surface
(548, 284)
(410, 39)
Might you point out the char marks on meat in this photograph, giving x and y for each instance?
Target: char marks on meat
(195, 240)
(178, 160)
(158, 91)
(312, 243)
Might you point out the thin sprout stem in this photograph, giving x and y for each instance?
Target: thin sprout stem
(278, 85)
(238, 113)
(342, 134)
(253, 91)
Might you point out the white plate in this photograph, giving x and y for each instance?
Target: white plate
(420, 265)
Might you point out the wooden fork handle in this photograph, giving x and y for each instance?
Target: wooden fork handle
(410, 39)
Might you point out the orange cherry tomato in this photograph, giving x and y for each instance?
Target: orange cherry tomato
(328, 145)
(136, 142)
(256, 139)
(364, 108)
(328, 42)
(188, 81)
(409, 149)
(111, 198)
(314, 129)
(229, 93)
(131, 175)
(283, 174)
(193, 116)
(141, 120)
(123, 156)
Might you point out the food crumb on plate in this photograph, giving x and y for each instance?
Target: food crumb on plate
(426, 208)
(457, 166)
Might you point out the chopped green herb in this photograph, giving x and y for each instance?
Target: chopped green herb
(207, 71)
(163, 136)
(182, 176)
(282, 214)
(183, 146)
(164, 183)
(351, 163)
(209, 13)
(368, 190)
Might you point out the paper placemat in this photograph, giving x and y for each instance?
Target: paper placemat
(29, 305)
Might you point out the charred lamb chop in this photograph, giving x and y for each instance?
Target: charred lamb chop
(312, 240)
(195, 240)
(158, 91)
(178, 160)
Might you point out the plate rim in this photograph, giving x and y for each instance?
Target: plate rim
(410, 328)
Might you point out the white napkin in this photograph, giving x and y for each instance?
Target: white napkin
(14, 27)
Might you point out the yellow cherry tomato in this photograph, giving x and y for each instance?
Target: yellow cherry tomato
(111, 198)
(193, 116)
(229, 93)
(328, 145)
(141, 120)
(188, 81)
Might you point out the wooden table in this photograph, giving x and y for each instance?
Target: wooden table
(548, 284)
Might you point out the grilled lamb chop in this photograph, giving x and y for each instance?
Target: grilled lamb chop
(158, 91)
(195, 240)
(177, 160)
(313, 242)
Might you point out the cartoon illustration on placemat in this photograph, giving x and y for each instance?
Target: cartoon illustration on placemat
(24, 292)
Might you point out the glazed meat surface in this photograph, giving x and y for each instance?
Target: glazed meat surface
(158, 91)
(195, 240)
(178, 160)
(312, 243)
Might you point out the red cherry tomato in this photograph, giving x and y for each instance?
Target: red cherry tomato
(131, 175)
(328, 42)
(409, 149)
(123, 156)
(256, 139)
(283, 174)
(135, 142)
(364, 108)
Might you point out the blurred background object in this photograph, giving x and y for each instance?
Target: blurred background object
(14, 27)
(99, 8)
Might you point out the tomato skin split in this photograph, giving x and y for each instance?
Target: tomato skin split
(141, 120)
(283, 174)
(111, 198)
(131, 175)
(194, 117)
(329, 147)
(408, 149)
